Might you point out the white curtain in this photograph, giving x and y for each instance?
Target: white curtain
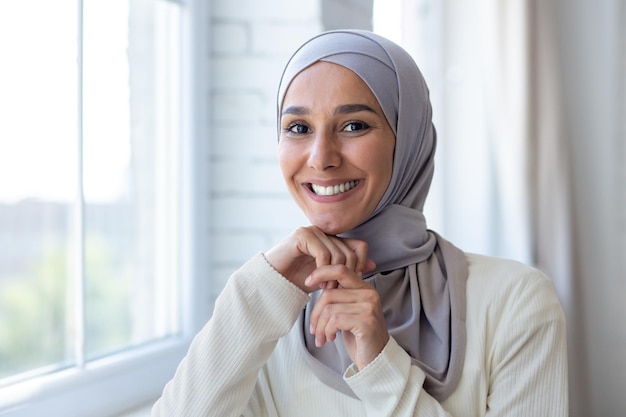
(503, 40)
(524, 111)
(526, 107)
(501, 185)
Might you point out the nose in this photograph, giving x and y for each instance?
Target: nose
(325, 152)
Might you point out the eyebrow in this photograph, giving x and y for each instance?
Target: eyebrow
(353, 108)
(295, 110)
(343, 109)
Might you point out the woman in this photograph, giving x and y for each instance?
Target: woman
(366, 312)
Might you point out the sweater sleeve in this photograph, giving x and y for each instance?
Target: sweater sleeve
(528, 358)
(391, 386)
(526, 365)
(217, 376)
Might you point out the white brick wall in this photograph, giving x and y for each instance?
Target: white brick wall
(250, 208)
(356, 13)
(267, 10)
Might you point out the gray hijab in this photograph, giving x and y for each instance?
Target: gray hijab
(419, 275)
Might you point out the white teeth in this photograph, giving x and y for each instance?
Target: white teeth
(333, 189)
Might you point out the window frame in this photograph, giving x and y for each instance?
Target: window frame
(120, 382)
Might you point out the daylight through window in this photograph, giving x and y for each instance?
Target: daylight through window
(89, 181)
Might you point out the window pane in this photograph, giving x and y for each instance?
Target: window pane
(131, 137)
(38, 183)
(130, 141)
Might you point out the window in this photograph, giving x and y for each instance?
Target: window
(94, 201)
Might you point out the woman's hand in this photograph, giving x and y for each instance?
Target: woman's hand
(352, 307)
(309, 248)
(311, 260)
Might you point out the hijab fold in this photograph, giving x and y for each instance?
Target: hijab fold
(419, 275)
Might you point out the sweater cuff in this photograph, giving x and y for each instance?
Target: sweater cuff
(300, 297)
(384, 379)
(261, 291)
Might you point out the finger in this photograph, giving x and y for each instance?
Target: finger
(329, 321)
(342, 296)
(346, 256)
(328, 285)
(356, 318)
(357, 313)
(364, 294)
(345, 277)
(350, 257)
(308, 248)
(335, 250)
(327, 250)
(360, 248)
(341, 317)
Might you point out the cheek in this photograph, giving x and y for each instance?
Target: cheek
(287, 160)
(379, 157)
(384, 168)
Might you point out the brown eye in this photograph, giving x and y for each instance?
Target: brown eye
(355, 126)
(298, 129)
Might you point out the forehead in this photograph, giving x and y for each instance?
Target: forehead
(328, 83)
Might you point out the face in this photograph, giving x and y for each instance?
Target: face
(336, 147)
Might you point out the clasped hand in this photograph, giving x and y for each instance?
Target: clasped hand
(314, 260)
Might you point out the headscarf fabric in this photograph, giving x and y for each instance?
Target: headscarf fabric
(419, 276)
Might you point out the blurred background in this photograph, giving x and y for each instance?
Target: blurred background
(138, 170)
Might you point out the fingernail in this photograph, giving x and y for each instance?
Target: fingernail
(311, 329)
(307, 281)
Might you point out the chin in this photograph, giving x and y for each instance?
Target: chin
(331, 231)
(331, 227)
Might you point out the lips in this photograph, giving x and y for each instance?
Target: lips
(330, 190)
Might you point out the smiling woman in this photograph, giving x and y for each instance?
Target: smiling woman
(366, 312)
(335, 148)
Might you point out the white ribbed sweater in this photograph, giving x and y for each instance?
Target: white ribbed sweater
(250, 359)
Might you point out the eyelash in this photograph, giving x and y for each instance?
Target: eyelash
(362, 126)
(290, 128)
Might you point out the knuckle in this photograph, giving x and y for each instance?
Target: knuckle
(333, 321)
(370, 322)
(328, 314)
(302, 231)
(372, 297)
(339, 258)
(325, 256)
(361, 245)
(351, 257)
(325, 297)
(371, 310)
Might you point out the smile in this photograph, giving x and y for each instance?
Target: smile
(333, 189)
